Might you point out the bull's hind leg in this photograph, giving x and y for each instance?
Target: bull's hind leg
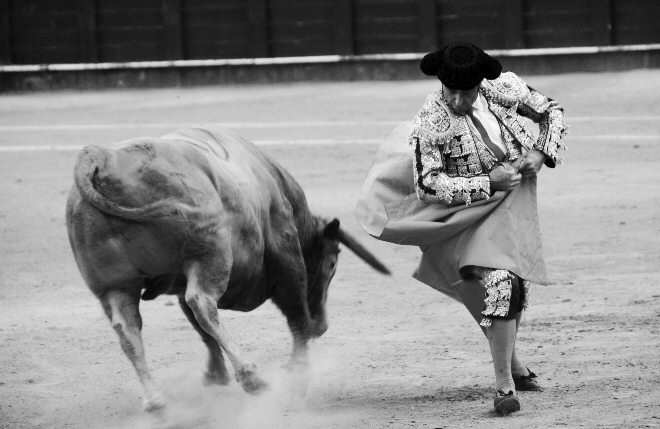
(122, 308)
(216, 372)
(207, 281)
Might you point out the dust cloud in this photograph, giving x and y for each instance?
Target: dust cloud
(287, 403)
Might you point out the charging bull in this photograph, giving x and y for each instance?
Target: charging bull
(207, 216)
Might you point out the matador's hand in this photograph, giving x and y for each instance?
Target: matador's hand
(530, 164)
(504, 178)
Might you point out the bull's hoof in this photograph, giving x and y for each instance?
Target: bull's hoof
(300, 381)
(250, 381)
(153, 403)
(220, 378)
(296, 364)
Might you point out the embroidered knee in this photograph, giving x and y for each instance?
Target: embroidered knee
(506, 295)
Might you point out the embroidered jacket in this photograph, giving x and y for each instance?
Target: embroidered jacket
(451, 164)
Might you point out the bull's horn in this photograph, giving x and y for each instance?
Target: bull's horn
(361, 251)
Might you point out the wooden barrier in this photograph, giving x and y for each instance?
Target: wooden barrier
(90, 31)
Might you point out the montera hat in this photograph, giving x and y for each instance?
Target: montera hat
(460, 65)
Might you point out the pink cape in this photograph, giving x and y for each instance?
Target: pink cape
(502, 232)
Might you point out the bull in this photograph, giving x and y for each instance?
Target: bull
(207, 216)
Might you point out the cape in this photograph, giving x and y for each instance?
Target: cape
(501, 232)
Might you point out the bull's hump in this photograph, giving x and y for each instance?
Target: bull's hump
(142, 171)
(234, 160)
(203, 139)
(191, 164)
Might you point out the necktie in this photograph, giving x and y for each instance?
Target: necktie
(497, 151)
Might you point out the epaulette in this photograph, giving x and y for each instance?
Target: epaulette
(433, 122)
(508, 89)
(436, 117)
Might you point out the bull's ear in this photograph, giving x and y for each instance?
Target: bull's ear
(331, 230)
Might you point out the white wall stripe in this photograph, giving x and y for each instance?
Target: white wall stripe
(83, 127)
(92, 127)
(41, 148)
(314, 59)
(68, 148)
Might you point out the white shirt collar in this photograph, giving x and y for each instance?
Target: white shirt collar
(480, 103)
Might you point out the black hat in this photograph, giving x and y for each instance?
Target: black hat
(460, 65)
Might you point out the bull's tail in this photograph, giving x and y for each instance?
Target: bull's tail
(87, 166)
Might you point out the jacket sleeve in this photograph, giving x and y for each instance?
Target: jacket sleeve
(432, 184)
(550, 117)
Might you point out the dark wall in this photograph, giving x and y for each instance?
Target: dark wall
(74, 31)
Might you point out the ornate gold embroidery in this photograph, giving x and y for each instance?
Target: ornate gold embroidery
(513, 123)
(451, 164)
(507, 90)
(433, 184)
(538, 102)
(551, 134)
(433, 120)
(513, 147)
(498, 295)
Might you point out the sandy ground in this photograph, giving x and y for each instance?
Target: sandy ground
(397, 354)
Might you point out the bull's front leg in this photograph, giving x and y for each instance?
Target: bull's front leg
(287, 268)
(300, 324)
(122, 308)
(206, 282)
(290, 294)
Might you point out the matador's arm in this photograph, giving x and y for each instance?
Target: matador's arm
(550, 117)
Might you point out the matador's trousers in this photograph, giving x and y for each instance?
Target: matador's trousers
(505, 295)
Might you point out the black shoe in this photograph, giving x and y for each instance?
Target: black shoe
(526, 383)
(506, 403)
